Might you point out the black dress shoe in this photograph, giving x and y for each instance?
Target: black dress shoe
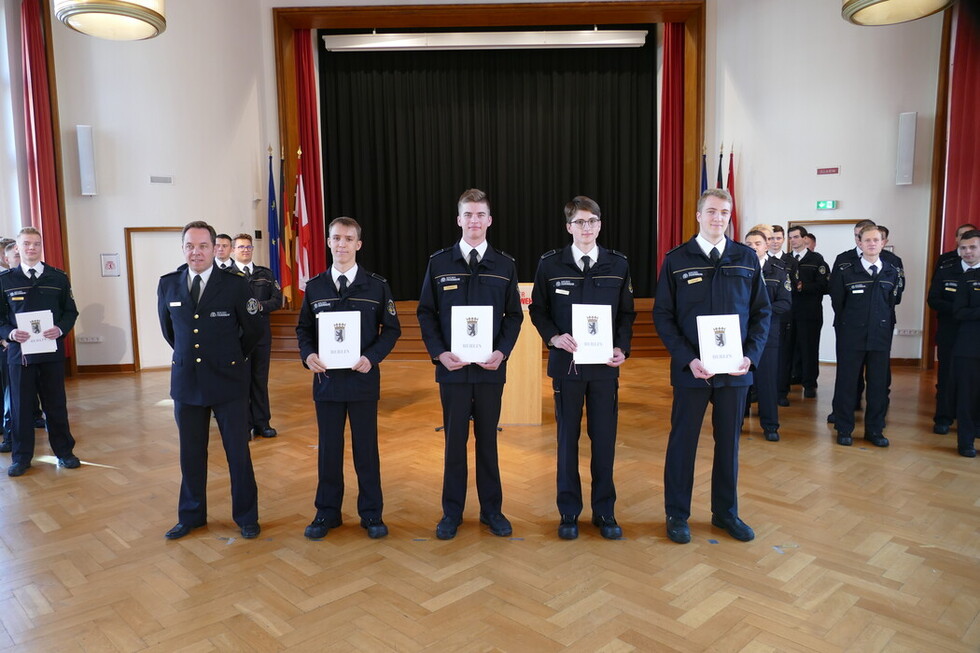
(17, 469)
(320, 526)
(375, 528)
(845, 439)
(831, 419)
(180, 530)
(783, 401)
(678, 530)
(877, 439)
(809, 393)
(70, 461)
(498, 524)
(608, 527)
(939, 429)
(568, 528)
(772, 436)
(268, 432)
(447, 527)
(5, 446)
(251, 531)
(735, 527)
(968, 453)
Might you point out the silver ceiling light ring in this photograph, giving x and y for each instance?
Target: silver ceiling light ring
(80, 14)
(890, 12)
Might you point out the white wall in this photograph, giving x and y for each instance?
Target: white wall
(797, 88)
(792, 84)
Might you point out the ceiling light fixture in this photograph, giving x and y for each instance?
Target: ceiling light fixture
(890, 12)
(116, 20)
(486, 40)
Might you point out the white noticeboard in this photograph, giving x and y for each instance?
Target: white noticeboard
(720, 342)
(339, 338)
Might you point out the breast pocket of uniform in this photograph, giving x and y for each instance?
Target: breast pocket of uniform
(495, 286)
(692, 285)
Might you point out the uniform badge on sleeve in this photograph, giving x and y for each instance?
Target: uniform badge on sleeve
(252, 306)
(822, 270)
(391, 307)
(787, 285)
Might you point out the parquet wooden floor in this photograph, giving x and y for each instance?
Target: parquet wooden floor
(857, 549)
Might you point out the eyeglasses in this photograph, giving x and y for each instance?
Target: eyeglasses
(592, 222)
(247, 248)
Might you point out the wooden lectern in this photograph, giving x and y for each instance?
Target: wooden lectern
(521, 404)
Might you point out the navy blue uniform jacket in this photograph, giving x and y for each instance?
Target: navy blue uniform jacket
(689, 285)
(813, 273)
(212, 342)
(447, 283)
(851, 256)
(51, 292)
(780, 294)
(966, 310)
(368, 294)
(942, 297)
(559, 283)
(864, 310)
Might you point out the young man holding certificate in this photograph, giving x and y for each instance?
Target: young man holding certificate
(715, 279)
(469, 349)
(347, 325)
(38, 312)
(582, 305)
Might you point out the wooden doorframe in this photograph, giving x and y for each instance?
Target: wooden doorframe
(131, 284)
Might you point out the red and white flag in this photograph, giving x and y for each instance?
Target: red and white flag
(304, 236)
(733, 225)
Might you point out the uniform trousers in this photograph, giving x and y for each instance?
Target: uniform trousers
(686, 418)
(331, 417)
(193, 424)
(785, 358)
(258, 404)
(27, 382)
(805, 335)
(601, 400)
(766, 381)
(847, 389)
(967, 381)
(482, 402)
(945, 385)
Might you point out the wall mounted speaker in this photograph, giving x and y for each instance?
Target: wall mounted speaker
(905, 158)
(86, 159)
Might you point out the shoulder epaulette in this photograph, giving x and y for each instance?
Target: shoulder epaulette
(5, 271)
(441, 251)
(503, 253)
(179, 270)
(674, 249)
(845, 265)
(319, 275)
(379, 277)
(616, 253)
(949, 262)
(550, 253)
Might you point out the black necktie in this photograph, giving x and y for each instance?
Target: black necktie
(473, 260)
(224, 266)
(874, 271)
(715, 255)
(248, 272)
(586, 264)
(196, 289)
(33, 274)
(797, 257)
(342, 281)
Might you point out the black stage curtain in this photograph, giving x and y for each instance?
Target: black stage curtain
(405, 133)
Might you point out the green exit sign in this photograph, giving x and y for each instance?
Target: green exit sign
(823, 205)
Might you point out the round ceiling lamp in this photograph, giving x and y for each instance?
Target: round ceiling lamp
(116, 20)
(890, 12)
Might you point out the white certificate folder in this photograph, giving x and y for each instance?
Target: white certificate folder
(339, 336)
(36, 323)
(720, 342)
(472, 333)
(593, 332)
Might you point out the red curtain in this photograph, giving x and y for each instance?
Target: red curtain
(670, 196)
(309, 141)
(963, 141)
(45, 214)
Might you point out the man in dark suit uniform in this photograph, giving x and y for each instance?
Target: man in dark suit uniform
(212, 322)
(864, 295)
(766, 376)
(853, 255)
(807, 313)
(785, 321)
(942, 296)
(708, 275)
(265, 289)
(966, 351)
(352, 393)
(223, 250)
(470, 273)
(584, 273)
(34, 286)
(954, 253)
